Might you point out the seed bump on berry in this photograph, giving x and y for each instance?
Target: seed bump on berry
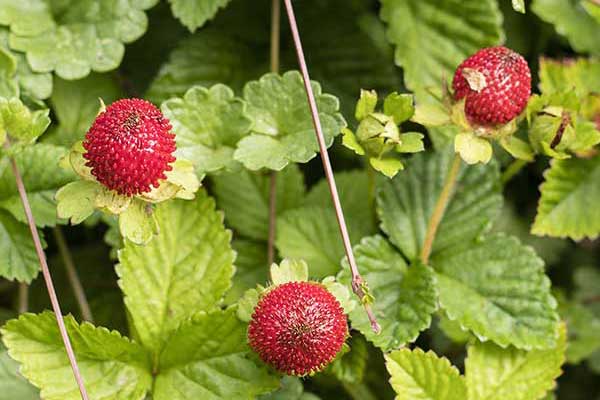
(130, 147)
(495, 83)
(298, 328)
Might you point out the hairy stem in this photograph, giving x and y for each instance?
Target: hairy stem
(440, 208)
(46, 273)
(72, 275)
(513, 169)
(275, 38)
(23, 297)
(359, 285)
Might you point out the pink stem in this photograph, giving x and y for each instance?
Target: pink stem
(357, 279)
(46, 272)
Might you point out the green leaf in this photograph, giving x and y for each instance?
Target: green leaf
(206, 358)
(289, 271)
(312, 234)
(405, 297)
(366, 104)
(566, 207)
(113, 367)
(12, 383)
(137, 222)
(206, 58)
(42, 177)
(433, 37)
(399, 106)
(570, 20)
(18, 259)
(517, 148)
(411, 142)
(77, 103)
(193, 14)
(406, 203)
(18, 122)
(582, 328)
(208, 124)
(351, 366)
(518, 5)
(473, 149)
(283, 130)
(389, 166)
(290, 389)
(73, 37)
(581, 75)
(251, 267)
(497, 288)
(350, 140)
(417, 375)
(495, 373)
(184, 269)
(244, 196)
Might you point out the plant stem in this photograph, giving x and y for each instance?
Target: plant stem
(440, 208)
(23, 297)
(46, 273)
(275, 46)
(371, 190)
(358, 283)
(72, 275)
(513, 169)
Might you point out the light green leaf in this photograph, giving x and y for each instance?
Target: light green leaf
(472, 149)
(137, 222)
(208, 124)
(433, 37)
(244, 196)
(497, 288)
(206, 358)
(12, 384)
(417, 375)
(251, 267)
(42, 177)
(399, 106)
(77, 103)
(569, 195)
(312, 234)
(519, 5)
(193, 13)
(406, 203)
(411, 142)
(19, 122)
(389, 166)
(290, 388)
(366, 104)
(18, 259)
(184, 269)
(73, 37)
(283, 130)
(113, 367)
(517, 148)
(350, 140)
(206, 58)
(571, 20)
(341, 292)
(289, 271)
(405, 297)
(581, 75)
(75, 200)
(494, 373)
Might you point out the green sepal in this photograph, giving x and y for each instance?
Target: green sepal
(137, 222)
(399, 106)
(472, 149)
(76, 201)
(411, 142)
(517, 148)
(350, 141)
(289, 271)
(366, 104)
(388, 166)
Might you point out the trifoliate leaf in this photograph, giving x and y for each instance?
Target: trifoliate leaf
(12, 383)
(73, 37)
(567, 204)
(42, 176)
(289, 271)
(570, 20)
(244, 196)
(206, 358)
(137, 222)
(113, 367)
(283, 129)
(77, 103)
(208, 124)
(497, 288)
(193, 14)
(406, 203)
(184, 269)
(206, 58)
(441, 35)
(518, 5)
(251, 267)
(18, 259)
(405, 297)
(312, 234)
(495, 373)
(417, 375)
(18, 122)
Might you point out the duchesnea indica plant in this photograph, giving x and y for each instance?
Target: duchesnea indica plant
(417, 222)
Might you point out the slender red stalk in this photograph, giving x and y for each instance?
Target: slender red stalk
(358, 283)
(46, 273)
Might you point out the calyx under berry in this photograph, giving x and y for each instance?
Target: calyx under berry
(130, 147)
(298, 328)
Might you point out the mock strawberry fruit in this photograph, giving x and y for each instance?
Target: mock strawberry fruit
(298, 328)
(130, 147)
(496, 85)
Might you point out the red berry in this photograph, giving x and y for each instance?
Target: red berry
(298, 328)
(130, 146)
(506, 89)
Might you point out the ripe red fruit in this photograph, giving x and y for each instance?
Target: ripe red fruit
(298, 328)
(130, 146)
(503, 94)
